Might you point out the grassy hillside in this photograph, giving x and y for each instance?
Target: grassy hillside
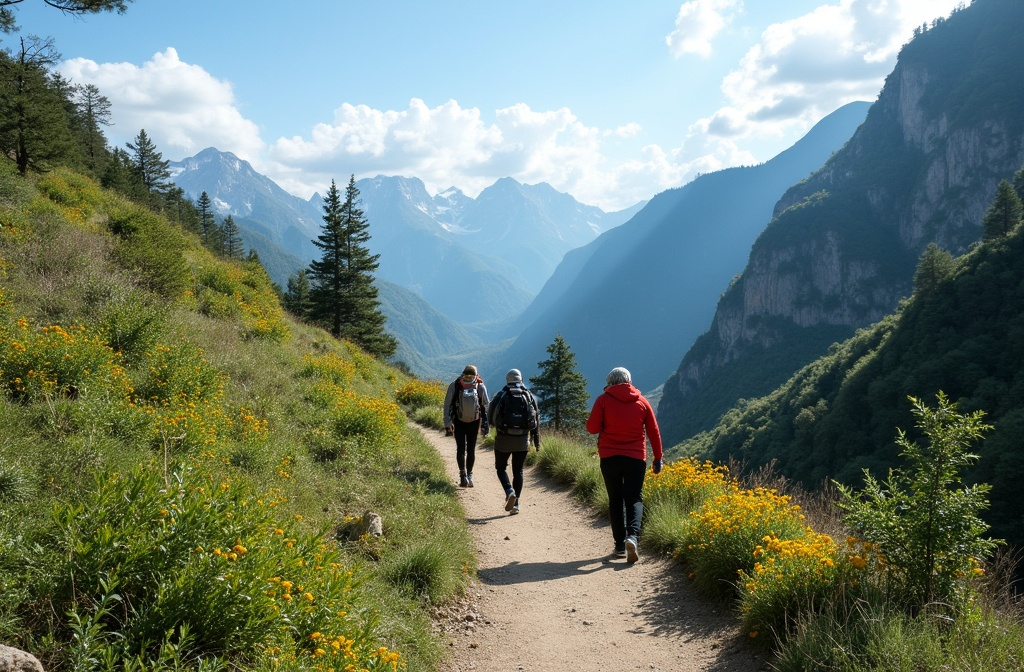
(184, 471)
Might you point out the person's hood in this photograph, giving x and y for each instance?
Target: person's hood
(623, 392)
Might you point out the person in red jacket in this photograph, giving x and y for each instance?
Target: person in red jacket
(624, 421)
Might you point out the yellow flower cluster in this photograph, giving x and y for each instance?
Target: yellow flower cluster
(329, 367)
(54, 359)
(421, 393)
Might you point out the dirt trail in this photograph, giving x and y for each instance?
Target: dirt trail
(551, 597)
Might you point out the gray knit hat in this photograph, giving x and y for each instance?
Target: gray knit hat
(514, 376)
(617, 376)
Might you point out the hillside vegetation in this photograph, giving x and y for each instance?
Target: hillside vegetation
(185, 471)
(961, 333)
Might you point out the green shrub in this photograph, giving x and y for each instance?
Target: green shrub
(928, 531)
(187, 566)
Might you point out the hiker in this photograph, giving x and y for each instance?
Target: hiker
(514, 415)
(465, 416)
(624, 420)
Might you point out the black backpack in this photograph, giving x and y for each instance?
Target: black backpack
(515, 412)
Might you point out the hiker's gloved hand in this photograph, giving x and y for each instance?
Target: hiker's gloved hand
(656, 467)
(536, 443)
(485, 428)
(449, 430)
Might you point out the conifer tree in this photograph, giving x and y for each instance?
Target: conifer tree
(232, 239)
(296, 298)
(560, 389)
(149, 164)
(92, 111)
(934, 266)
(34, 125)
(343, 297)
(207, 220)
(1004, 214)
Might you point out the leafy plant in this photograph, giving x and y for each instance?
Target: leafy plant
(927, 529)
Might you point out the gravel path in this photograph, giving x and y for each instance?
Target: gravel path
(551, 597)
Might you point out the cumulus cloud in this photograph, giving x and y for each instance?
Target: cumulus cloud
(698, 23)
(451, 145)
(804, 68)
(182, 107)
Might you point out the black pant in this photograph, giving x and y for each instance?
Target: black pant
(501, 464)
(624, 480)
(465, 444)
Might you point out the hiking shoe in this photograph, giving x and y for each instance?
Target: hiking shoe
(620, 549)
(469, 480)
(511, 501)
(463, 481)
(514, 511)
(631, 554)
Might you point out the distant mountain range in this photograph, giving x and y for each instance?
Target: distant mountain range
(641, 293)
(489, 279)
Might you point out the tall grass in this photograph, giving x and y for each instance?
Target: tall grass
(178, 460)
(815, 602)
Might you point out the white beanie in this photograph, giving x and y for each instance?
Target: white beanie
(617, 376)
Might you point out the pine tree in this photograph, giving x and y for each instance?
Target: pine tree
(149, 164)
(92, 112)
(232, 243)
(34, 124)
(296, 298)
(207, 220)
(560, 389)
(1004, 214)
(343, 297)
(934, 266)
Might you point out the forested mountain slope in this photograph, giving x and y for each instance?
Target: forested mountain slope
(642, 292)
(962, 333)
(842, 248)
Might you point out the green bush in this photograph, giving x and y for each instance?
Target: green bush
(927, 530)
(157, 567)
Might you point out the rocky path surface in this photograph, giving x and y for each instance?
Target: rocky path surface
(551, 597)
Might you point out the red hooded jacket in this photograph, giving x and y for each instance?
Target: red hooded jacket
(621, 417)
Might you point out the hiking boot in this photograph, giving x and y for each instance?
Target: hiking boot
(620, 549)
(514, 511)
(511, 501)
(631, 554)
(463, 481)
(469, 480)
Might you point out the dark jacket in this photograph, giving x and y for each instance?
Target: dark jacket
(513, 443)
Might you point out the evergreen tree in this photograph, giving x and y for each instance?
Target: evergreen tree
(296, 298)
(207, 220)
(149, 164)
(34, 125)
(560, 389)
(92, 112)
(8, 25)
(934, 266)
(1004, 214)
(232, 240)
(120, 176)
(1018, 183)
(343, 297)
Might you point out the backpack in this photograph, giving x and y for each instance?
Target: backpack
(515, 412)
(467, 402)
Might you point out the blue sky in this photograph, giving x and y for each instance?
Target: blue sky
(611, 102)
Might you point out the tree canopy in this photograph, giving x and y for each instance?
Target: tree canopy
(560, 389)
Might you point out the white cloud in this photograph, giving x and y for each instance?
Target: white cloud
(698, 23)
(805, 68)
(451, 145)
(182, 107)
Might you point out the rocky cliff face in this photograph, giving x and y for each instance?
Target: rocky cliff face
(842, 247)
